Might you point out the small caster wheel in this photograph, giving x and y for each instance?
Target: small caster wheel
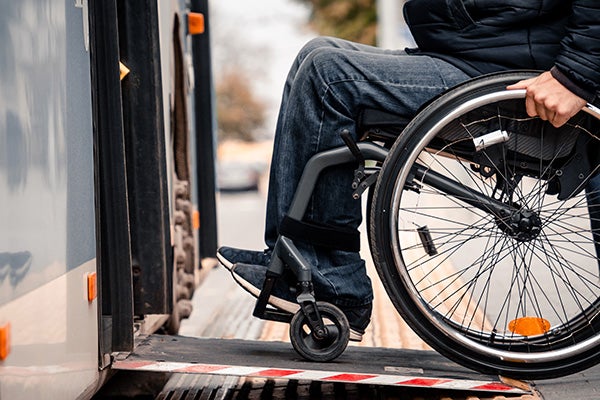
(325, 348)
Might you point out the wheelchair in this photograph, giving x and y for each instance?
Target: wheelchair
(484, 227)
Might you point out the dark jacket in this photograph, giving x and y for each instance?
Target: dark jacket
(482, 36)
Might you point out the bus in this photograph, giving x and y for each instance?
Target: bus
(106, 183)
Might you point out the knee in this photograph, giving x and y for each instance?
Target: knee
(322, 42)
(323, 64)
(328, 63)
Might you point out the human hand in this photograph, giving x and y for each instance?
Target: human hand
(549, 99)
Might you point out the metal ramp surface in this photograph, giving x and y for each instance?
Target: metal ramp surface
(278, 360)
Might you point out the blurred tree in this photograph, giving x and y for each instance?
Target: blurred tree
(240, 114)
(354, 20)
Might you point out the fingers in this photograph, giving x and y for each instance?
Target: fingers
(548, 109)
(533, 108)
(530, 104)
(558, 120)
(548, 99)
(521, 84)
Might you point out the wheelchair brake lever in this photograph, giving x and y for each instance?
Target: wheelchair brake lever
(359, 172)
(347, 138)
(364, 185)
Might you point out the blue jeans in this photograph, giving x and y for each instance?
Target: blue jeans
(328, 85)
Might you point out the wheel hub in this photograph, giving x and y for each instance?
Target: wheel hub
(522, 225)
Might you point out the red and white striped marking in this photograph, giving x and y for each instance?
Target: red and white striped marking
(316, 375)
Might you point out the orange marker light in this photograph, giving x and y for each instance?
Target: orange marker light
(196, 219)
(4, 341)
(529, 326)
(195, 23)
(91, 287)
(123, 70)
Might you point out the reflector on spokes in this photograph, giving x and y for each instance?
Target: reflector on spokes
(529, 326)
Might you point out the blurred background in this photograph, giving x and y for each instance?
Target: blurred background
(253, 45)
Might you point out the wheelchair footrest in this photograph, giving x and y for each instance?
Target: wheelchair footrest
(275, 315)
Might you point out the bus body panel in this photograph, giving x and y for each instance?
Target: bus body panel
(46, 158)
(47, 210)
(56, 185)
(54, 345)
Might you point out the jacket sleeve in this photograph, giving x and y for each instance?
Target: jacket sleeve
(579, 57)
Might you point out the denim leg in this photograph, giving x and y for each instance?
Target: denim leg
(329, 84)
(320, 43)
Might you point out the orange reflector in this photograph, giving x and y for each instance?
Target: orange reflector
(529, 326)
(195, 23)
(4, 340)
(123, 70)
(196, 219)
(91, 287)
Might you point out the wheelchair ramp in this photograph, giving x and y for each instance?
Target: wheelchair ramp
(277, 361)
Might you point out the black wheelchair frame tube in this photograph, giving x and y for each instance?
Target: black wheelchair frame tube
(462, 192)
(285, 248)
(320, 161)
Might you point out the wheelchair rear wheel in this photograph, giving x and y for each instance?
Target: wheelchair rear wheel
(485, 230)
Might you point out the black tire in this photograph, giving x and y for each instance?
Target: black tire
(473, 281)
(328, 348)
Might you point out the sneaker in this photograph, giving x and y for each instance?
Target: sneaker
(228, 256)
(251, 278)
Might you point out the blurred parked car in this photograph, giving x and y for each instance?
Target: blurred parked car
(238, 177)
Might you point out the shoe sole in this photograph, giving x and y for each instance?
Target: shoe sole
(277, 302)
(280, 303)
(224, 262)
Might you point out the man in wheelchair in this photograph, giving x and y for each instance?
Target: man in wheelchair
(332, 81)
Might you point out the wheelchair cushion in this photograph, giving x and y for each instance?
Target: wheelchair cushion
(375, 124)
